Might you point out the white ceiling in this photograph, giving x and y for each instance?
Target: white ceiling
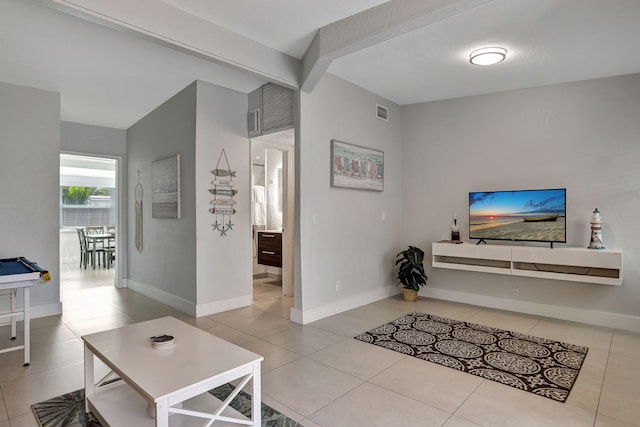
(112, 78)
(548, 42)
(285, 25)
(104, 77)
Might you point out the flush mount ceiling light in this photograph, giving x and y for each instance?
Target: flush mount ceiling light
(488, 55)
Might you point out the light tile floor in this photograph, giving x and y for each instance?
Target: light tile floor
(319, 375)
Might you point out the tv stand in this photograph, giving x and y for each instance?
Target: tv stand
(571, 264)
(484, 242)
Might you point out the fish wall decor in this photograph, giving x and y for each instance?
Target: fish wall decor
(224, 192)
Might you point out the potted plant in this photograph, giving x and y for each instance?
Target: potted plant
(411, 272)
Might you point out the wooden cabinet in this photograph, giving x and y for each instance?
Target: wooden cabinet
(270, 248)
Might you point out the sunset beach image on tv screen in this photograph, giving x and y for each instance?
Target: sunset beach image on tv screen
(534, 215)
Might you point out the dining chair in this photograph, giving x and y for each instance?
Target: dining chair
(110, 252)
(97, 229)
(100, 246)
(84, 250)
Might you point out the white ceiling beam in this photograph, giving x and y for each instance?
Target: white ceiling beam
(162, 23)
(373, 26)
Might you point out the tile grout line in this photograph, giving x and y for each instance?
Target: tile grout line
(604, 377)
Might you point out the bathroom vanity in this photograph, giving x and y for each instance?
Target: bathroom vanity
(270, 248)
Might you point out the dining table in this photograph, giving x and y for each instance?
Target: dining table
(92, 242)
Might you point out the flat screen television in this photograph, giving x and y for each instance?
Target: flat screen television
(522, 215)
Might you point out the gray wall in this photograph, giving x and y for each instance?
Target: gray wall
(29, 172)
(184, 263)
(351, 243)
(224, 275)
(89, 139)
(166, 267)
(582, 136)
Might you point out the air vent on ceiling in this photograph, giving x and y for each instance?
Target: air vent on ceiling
(382, 112)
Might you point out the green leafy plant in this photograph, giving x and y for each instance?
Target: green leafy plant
(411, 271)
(76, 195)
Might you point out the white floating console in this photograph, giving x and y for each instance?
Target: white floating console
(573, 264)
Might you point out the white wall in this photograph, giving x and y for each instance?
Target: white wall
(583, 136)
(351, 242)
(224, 273)
(166, 267)
(29, 172)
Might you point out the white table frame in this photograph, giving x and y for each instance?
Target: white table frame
(14, 282)
(123, 356)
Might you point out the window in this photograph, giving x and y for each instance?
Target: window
(87, 191)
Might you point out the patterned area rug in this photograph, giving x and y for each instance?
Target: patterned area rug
(537, 365)
(68, 410)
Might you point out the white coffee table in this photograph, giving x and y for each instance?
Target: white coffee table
(175, 381)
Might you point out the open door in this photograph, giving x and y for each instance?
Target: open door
(273, 203)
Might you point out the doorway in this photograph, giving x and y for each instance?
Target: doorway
(272, 175)
(89, 201)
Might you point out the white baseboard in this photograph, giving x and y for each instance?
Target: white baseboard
(311, 315)
(37, 311)
(192, 309)
(70, 260)
(591, 317)
(223, 305)
(44, 310)
(162, 296)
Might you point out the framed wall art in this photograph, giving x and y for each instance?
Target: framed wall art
(356, 167)
(165, 188)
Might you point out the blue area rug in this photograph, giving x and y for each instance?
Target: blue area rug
(68, 410)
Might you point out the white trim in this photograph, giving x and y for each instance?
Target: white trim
(70, 260)
(188, 307)
(308, 316)
(162, 296)
(223, 305)
(591, 317)
(35, 311)
(44, 310)
(121, 213)
(119, 285)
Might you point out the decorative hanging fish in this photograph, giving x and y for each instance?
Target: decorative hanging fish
(223, 182)
(223, 172)
(223, 202)
(223, 191)
(222, 211)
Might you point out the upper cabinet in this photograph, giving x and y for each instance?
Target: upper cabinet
(271, 109)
